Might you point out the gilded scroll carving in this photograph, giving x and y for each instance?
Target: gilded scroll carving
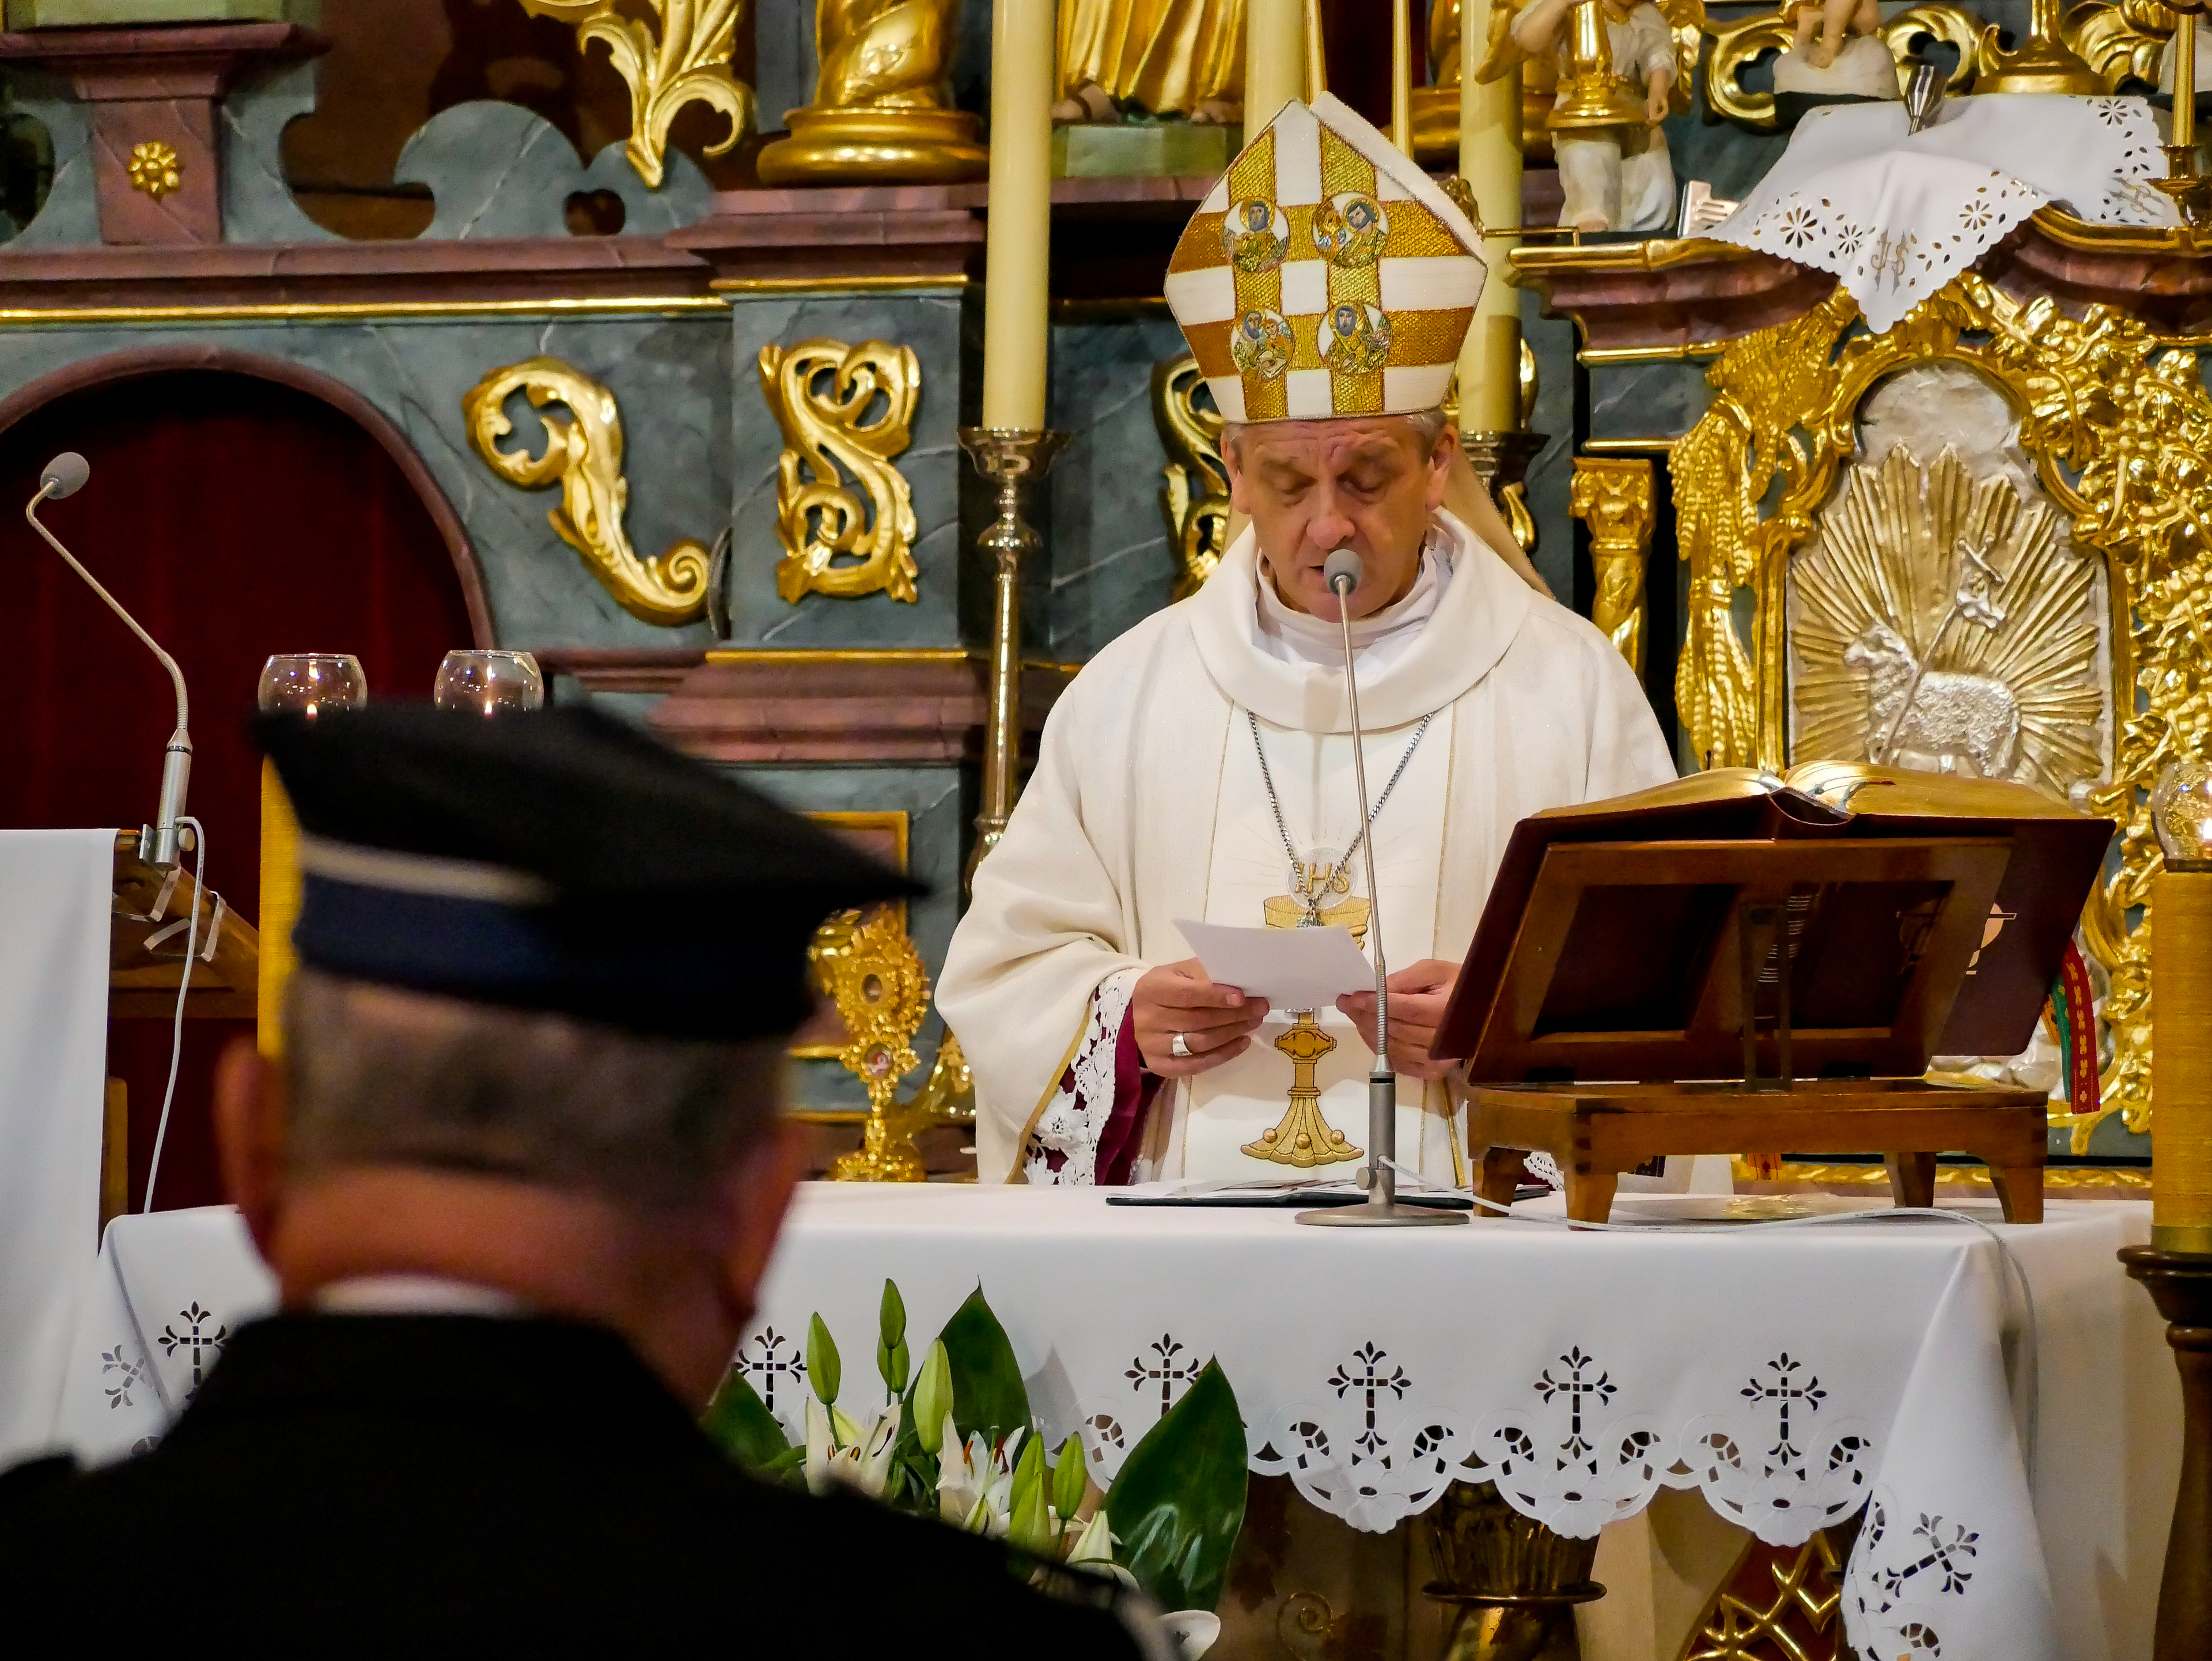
(1764, 385)
(824, 395)
(1612, 496)
(685, 60)
(1194, 485)
(1737, 45)
(584, 457)
(2117, 428)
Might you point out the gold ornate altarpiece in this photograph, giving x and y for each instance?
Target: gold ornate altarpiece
(2061, 628)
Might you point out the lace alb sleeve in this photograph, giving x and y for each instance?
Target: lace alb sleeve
(1089, 1131)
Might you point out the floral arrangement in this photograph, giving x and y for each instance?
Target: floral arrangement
(956, 1441)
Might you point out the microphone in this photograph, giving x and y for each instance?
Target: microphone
(1342, 571)
(157, 843)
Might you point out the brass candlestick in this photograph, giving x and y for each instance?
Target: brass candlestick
(1012, 459)
(2191, 192)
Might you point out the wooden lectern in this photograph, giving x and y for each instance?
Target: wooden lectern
(149, 924)
(1734, 964)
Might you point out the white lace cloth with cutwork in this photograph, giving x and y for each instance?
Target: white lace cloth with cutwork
(1896, 215)
(1063, 1148)
(1796, 1376)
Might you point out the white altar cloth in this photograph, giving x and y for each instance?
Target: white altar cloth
(1896, 215)
(1790, 1374)
(55, 890)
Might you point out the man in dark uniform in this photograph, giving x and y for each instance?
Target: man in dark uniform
(519, 1180)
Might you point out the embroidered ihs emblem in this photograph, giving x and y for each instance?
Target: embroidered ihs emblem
(1313, 902)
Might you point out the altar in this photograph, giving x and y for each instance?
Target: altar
(1971, 1423)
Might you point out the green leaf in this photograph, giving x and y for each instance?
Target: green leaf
(1067, 1479)
(932, 1399)
(988, 1394)
(1028, 1527)
(740, 1424)
(821, 1363)
(891, 1359)
(1179, 1500)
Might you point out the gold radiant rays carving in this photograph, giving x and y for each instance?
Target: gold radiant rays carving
(869, 968)
(1940, 622)
(1613, 496)
(825, 396)
(2119, 428)
(1194, 488)
(685, 60)
(584, 457)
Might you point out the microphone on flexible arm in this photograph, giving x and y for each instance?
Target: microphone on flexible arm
(158, 843)
(1342, 572)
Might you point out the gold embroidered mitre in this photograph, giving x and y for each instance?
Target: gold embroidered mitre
(1325, 274)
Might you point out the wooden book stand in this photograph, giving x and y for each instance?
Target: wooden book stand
(1756, 996)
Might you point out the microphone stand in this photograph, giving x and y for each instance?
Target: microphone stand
(157, 843)
(1381, 1208)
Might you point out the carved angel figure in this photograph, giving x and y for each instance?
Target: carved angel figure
(1830, 20)
(889, 54)
(1613, 178)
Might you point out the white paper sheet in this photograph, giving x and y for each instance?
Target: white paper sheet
(1290, 968)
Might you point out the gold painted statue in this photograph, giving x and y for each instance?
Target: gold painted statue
(883, 101)
(1166, 56)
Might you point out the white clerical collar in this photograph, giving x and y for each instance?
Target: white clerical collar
(1474, 619)
(415, 1294)
(1300, 637)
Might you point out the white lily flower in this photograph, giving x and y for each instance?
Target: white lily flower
(1094, 1550)
(975, 1482)
(840, 1450)
(821, 1445)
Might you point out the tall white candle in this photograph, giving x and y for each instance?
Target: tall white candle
(1017, 254)
(1490, 161)
(1274, 58)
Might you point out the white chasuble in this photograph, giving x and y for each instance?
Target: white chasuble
(1217, 1114)
(1147, 806)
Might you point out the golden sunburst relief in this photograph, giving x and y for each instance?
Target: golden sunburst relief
(1941, 620)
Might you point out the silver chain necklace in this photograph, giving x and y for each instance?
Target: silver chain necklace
(1321, 887)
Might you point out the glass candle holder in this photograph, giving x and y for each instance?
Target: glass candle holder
(309, 683)
(489, 682)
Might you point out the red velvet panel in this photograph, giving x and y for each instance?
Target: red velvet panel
(234, 517)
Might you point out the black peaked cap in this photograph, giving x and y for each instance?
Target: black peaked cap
(675, 900)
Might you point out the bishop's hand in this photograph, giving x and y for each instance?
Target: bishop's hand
(1216, 1022)
(1418, 996)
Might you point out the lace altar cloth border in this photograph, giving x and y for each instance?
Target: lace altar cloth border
(1896, 215)
(1791, 1375)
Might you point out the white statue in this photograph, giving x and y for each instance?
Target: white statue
(1847, 60)
(1613, 179)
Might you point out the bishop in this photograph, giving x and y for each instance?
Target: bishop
(1201, 765)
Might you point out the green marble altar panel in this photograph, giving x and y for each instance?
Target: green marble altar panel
(1111, 564)
(669, 376)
